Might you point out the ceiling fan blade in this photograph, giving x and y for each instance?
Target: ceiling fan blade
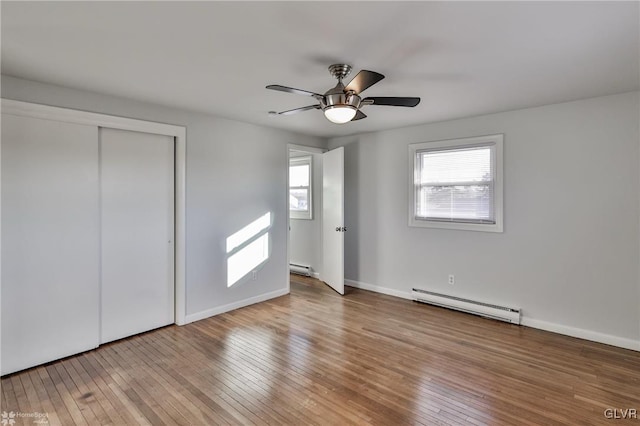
(292, 90)
(392, 101)
(359, 116)
(297, 110)
(363, 80)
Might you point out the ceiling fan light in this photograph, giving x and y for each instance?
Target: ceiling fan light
(340, 114)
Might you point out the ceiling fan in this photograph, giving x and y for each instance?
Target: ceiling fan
(342, 103)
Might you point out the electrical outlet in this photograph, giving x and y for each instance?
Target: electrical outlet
(254, 275)
(452, 279)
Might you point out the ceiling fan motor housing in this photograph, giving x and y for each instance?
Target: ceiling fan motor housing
(342, 99)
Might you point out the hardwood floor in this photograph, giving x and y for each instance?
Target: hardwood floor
(316, 358)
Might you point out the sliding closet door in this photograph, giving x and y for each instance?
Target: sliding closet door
(137, 204)
(50, 240)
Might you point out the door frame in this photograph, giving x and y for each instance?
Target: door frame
(311, 150)
(179, 133)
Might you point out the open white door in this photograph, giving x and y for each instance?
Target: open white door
(333, 219)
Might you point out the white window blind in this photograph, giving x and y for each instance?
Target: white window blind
(456, 182)
(456, 185)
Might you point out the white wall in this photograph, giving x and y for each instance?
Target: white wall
(570, 251)
(569, 254)
(305, 237)
(236, 172)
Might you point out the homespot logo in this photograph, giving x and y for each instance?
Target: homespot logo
(9, 419)
(621, 413)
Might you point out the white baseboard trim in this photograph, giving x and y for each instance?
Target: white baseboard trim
(235, 305)
(315, 275)
(580, 333)
(378, 289)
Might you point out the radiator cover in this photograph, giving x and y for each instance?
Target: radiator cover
(502, 313)
(300, 269)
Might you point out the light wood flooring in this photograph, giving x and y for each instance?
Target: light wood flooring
(316, 358)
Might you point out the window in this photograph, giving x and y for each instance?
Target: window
(457, 184)
(300, 197)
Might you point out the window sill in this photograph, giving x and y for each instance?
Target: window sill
(460, 226)
(300, 216)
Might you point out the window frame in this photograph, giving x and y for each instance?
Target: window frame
(497, 141)
(298, 161)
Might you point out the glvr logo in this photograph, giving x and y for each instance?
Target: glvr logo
(621, 413)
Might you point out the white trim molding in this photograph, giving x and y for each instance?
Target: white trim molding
(235, 305)
(378, 289)
(305, 148)
(47, 112)
(580, 333)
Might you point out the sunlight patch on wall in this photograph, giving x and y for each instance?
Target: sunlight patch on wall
(247, 249)
(248, 232)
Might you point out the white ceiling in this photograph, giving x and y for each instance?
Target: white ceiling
(461, 58)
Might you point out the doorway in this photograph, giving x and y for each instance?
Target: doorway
(316, 228)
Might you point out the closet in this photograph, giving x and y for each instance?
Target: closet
(87, 237)
(136, 178)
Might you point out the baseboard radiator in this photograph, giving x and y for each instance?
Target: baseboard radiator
(300, 269)
(487, 310)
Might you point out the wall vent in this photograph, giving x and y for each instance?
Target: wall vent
(502, 313)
